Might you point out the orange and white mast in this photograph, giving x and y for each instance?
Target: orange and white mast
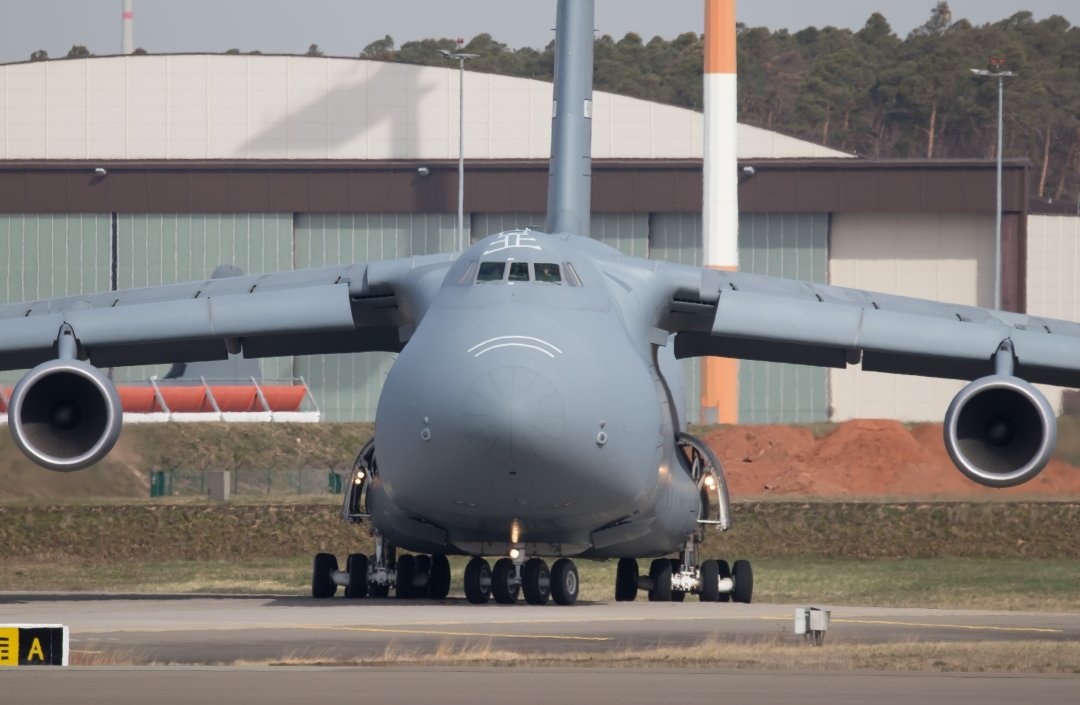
(720, 207)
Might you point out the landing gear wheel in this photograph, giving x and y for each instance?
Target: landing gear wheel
(710, 582)
(503, 586)
(536, 581)
(478, 581)
(439, 578)
(724, 571)
(564, 582)
(677, 595)
(660, 572)
(322, 575)
(356, 566)
(626, 580)
(743, 575)
(422, 567)
(406, 568)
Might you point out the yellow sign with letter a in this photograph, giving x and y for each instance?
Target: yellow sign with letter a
(33, 645)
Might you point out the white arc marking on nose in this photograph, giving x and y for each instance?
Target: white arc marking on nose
(487, 345)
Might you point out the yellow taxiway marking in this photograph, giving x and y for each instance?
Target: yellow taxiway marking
(931, 625)
(431, 632)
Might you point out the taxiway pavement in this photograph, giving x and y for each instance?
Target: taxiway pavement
(208, 630)
(270, 686)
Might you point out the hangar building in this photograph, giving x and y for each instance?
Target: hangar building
(130, 171)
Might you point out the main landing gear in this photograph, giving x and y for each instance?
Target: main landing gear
(672, 579)
(512, 577)
(375, 575)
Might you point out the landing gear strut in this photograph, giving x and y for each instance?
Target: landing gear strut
(672, 579)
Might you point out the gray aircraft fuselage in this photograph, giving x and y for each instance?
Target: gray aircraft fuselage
(531, 410)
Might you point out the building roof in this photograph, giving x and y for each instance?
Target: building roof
(203, 106)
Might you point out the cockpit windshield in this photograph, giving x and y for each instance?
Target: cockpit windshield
(490, 272)
(547, 272)
(511, 271)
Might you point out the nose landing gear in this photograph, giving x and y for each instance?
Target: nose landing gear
(514, 577)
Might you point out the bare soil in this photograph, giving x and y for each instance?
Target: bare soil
(865, 459)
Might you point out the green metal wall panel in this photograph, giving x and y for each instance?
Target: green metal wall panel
(53, 255)
(484, 224)
(676, 237)
(793, 245)
(626, 232)
(347, 387)
(165, 248)
(49, 255)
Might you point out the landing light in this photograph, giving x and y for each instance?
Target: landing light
(359, 478)
(710, 482)
(514, 553)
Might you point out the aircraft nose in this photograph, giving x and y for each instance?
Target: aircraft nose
(512, 413)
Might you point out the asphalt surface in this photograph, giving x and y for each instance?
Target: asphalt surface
(268, 686)
(221, 630)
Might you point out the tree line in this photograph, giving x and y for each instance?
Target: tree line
(868, 92)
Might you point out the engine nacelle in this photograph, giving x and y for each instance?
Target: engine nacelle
(1000, 431)
(65, 415)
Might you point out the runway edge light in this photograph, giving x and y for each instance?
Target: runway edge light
(34, 645)
(812, 623)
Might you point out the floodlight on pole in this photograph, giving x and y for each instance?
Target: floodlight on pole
(461, 59)
(1000, 75)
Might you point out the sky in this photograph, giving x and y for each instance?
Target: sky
(344, 27)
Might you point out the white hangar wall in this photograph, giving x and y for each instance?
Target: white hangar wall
(296, 107)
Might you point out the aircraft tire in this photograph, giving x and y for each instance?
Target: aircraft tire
(724, 570)
(322, 579)
(626, 580)
(476, 571)
(743, 575)
(406, 568)
(533, 578)
(356, 566)
(676, 595)
(503, 588)
(439, 578)
(422, 567)
(564, 582)
(710, 582)
(660, 572)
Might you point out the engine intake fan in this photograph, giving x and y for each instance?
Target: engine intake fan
(65, 415)
(1000, 431)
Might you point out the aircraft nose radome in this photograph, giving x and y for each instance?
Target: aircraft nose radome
(511, 413)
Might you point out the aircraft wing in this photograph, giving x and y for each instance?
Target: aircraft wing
(351, 308)
(748, 316)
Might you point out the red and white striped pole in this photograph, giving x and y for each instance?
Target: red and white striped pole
(127, 25)
(720, 207)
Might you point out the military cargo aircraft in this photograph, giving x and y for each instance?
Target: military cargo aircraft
(534, 409)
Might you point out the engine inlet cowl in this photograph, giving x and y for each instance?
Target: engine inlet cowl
(65, 415)
(1000, 431)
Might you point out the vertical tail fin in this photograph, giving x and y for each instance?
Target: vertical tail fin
(570, 174)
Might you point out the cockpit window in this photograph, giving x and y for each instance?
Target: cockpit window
(519, 271)
(547, 272)
(491, 272)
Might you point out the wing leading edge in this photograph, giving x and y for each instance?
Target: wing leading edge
(758, 317)
(353, 308)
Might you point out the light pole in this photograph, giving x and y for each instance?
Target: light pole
(461, 59)
(1000, 75)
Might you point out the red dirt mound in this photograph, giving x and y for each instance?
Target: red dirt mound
(865, 458)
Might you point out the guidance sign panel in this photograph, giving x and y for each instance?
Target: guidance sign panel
(33, 645)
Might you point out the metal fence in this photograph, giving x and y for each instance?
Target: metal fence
(250, 482)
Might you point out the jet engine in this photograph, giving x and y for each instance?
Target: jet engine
(65, 415)
(1000, 431)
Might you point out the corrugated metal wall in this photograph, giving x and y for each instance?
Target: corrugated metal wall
(347, 387)
(54, 255)
(46, 255)
(793, 245)
(155, 249)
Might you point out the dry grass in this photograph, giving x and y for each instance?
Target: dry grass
(779, 654)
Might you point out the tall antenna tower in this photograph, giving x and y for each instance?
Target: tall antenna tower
(127, 24)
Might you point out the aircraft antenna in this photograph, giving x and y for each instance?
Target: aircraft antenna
(570, 174)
